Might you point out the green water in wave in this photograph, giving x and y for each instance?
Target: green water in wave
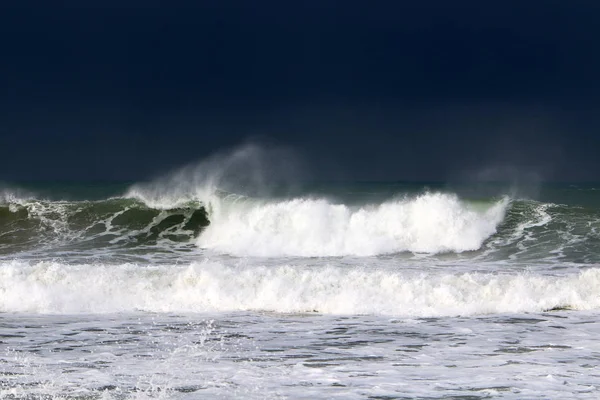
(558, 221)
(29, 224)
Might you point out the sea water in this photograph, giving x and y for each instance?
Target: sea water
(198, 285)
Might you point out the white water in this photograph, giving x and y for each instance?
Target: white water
(270, 356)
(55, 288)
(13, 195)
(429, 223)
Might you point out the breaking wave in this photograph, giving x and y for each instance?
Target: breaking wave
(228, 204)
(429, 223)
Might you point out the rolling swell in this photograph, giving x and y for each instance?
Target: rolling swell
(538, 231)
(31, 223)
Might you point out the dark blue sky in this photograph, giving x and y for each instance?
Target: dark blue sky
(386, 90)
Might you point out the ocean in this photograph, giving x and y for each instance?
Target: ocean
(197, 285)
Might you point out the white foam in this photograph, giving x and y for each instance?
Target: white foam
(430, 223)
(50, 287)
(14, 196)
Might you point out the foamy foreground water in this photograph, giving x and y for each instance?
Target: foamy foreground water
(264, 355)
(237, 330)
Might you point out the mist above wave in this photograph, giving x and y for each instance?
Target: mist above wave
(249, 170)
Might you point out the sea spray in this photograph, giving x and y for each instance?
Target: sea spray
(249, 170)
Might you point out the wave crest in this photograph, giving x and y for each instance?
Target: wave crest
(430, 223)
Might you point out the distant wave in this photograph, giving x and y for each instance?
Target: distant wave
(55, 288)
(309, 226)
(429, 223)
(225, 205)
(226, 223)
